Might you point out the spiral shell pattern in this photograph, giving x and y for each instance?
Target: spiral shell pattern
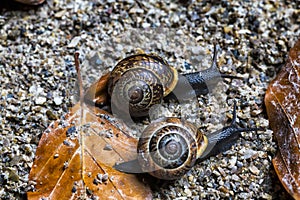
(169, 147)
(136, 91)
(141, 81)
(167, 75)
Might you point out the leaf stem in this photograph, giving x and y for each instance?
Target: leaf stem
(81, 95)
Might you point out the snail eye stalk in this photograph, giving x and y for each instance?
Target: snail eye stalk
(221, 140)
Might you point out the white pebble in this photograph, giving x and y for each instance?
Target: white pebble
(40, 100)
(58, 100)
(232, 162)
(254, 170)
(35, 90)
(235, 177)
(74, 42)
(249, 153)
(146, 25)
(188, 192)
(196, 50)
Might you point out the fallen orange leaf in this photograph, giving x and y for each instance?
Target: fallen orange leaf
(75, 156)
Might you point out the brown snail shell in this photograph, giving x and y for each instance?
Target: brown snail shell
(141, 81)
(169, 147)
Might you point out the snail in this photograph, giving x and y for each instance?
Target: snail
(170, 147)
(140, 81)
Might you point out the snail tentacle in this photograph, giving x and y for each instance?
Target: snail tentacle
(221, 140)
(201, 82)
(194, 84)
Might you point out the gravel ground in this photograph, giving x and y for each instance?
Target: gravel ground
(38, 75)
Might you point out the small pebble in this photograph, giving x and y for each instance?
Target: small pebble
(58, 100)
(105, 177)
(196, 50)
(235, 177)
(74, 42)
(254, 170)
(51, 115)
(232, 161)
(188, 192)
(249, 153)
(60, 13)
(40, 100)
(107, 147)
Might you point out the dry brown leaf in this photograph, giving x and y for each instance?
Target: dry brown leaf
(283, 107)
(73, 154)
